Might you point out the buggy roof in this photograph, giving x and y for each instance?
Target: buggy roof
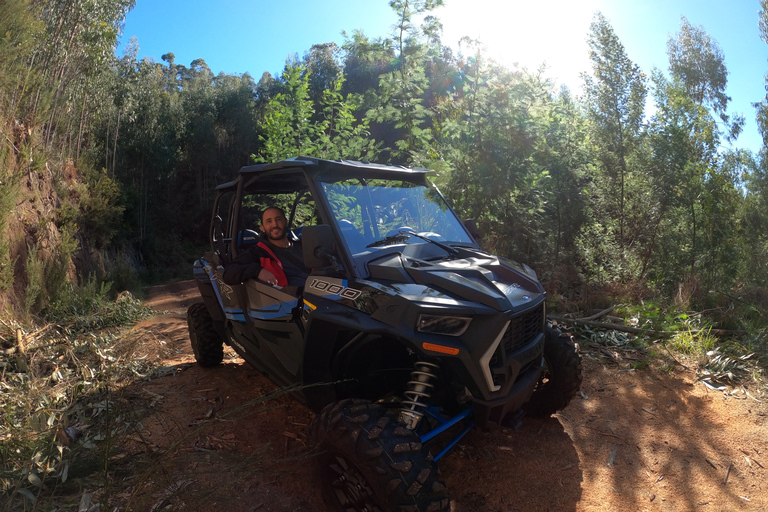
(280, 177)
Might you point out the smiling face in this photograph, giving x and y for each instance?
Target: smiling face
(273, 223)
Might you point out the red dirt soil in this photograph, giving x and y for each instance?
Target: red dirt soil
(218, 439)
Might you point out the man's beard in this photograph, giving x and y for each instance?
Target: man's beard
(280, 234)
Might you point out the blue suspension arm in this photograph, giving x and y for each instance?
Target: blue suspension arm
(445, 425)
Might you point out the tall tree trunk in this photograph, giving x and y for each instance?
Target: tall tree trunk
(693, 244)
(114, 149)
(82, 122)
(143, 203)
(106, 153)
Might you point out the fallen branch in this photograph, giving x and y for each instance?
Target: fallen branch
(20, 342)
(752, 306)
(674, 358)
(601, 314)
(615, 327)
(645, 332)
(602, 433)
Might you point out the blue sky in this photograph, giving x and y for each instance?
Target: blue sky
(254, 36)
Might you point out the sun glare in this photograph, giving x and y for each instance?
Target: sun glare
(526, 34)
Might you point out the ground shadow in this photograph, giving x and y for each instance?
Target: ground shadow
(534, 468)
(215, 439)
(648, 440)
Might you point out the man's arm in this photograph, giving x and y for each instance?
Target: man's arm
(246, 266)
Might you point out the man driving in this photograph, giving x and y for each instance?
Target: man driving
(275, 260)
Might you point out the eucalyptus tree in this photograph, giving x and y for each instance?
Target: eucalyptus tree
(497, 138)
(753, 221)
(236, 131)
(144, 148)
(565, 154)
(364, 61)
(400, 92)
(762, 107)
(80, 39)
(698, 180)
(294, 125)
(323, 65)
(683, 138)
(198, 94)
(21, 27)
(697, 61)
(755, 213)
(288, 128)
(615, 96)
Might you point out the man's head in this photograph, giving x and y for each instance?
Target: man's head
(273, 223)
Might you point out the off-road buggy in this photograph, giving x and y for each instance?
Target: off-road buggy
(405, 336)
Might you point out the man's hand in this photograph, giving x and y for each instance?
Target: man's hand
(268, 277)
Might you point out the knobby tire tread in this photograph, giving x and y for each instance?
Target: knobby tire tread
(391, 457)
(206, 342)
(564, 375)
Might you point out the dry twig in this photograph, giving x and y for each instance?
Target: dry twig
(637, 330)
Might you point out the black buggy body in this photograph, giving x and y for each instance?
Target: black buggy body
(405, 335)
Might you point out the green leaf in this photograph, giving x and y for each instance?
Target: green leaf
(27, 494)
(35, 480)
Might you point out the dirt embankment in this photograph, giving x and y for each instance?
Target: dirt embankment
(219, 439)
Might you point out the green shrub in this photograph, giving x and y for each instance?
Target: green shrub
(7, 202)
(57, 270)
(47, 278)
(88, 307)
(101, 213)
(35, 267)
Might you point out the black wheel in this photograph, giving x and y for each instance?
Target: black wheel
(203, 336)
(368, 461)
(561, 379)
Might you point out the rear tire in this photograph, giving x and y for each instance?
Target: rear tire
(368, 461)
(561, 378)
(203, 336)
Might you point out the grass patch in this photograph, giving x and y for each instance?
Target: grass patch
(89, 308)
(693, 342)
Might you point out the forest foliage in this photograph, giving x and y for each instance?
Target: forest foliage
(108, 166)
(588, 188)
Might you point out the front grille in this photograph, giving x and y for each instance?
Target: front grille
(523, 329)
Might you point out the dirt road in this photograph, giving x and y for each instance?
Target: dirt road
(219, 439)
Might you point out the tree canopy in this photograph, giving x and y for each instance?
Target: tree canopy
(590, 186)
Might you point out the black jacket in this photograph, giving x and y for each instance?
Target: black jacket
(247, 265)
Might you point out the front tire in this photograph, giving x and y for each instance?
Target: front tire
(368, 461)
(203, 336)
(561, 378)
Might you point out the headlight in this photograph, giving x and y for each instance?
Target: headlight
(441, 324)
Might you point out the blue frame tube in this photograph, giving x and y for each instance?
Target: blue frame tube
(446, 425)
(453, 442)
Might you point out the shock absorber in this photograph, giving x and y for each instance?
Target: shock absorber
(419, 390)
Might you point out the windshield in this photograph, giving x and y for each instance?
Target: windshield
(368, 212)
